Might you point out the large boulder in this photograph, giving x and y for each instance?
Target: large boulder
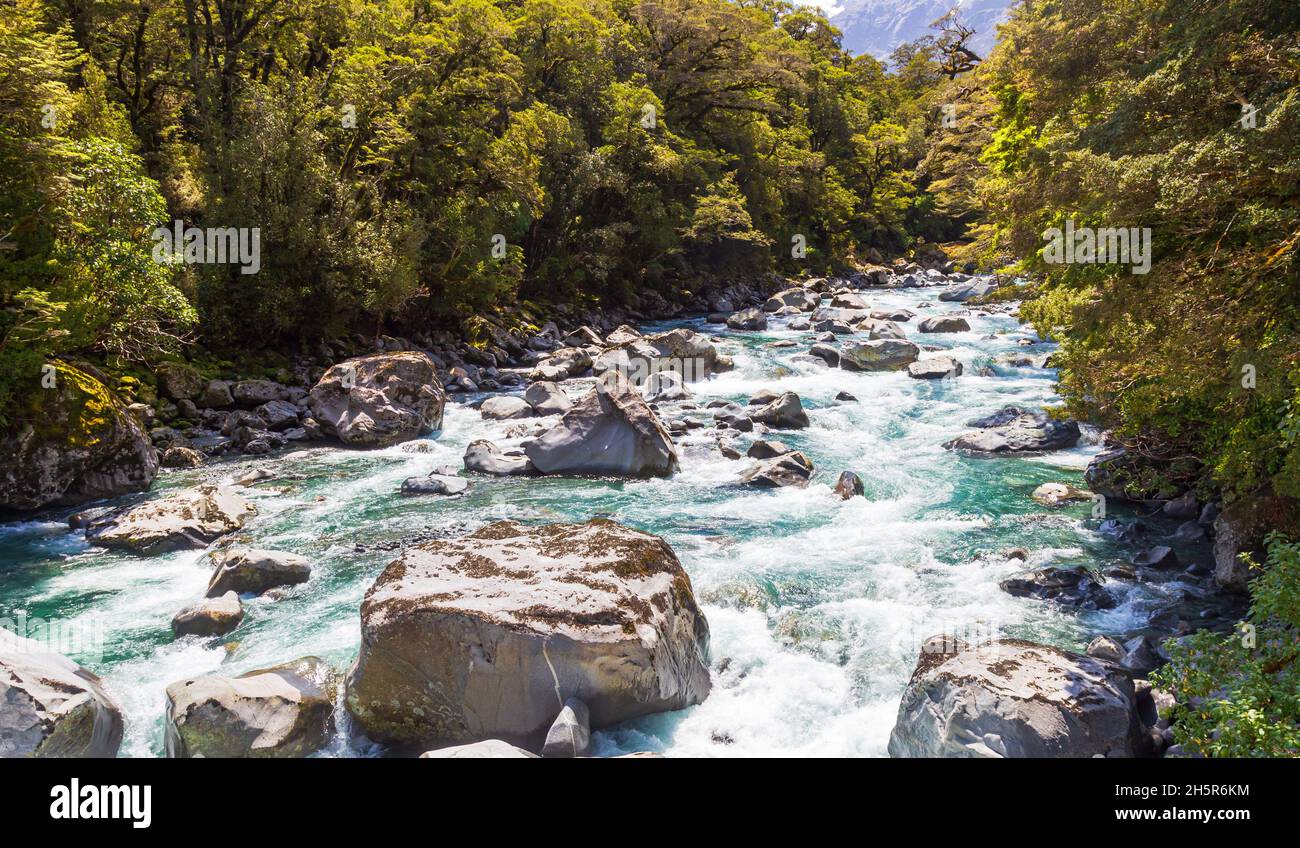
(799, 298)
(487, 635)
(684, 351)
(878, 355)
(1240, 529)
(934, 368)
(379, 400)
(484, 457)
(191, 518)
(52, 707)
(280, 712)
(1012, 698)
(1033, 433)
(748, 319)
(71, 443)
(972, 288)
(253, 571)
(209, 617)
(610, 430)
(506, 408)
(944, 324)
(179, 381)
(785, 413)
(787, 469)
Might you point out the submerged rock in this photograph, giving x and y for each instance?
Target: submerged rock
(379, 400)
(485, 636)
(72, 443)
(1055, 494)
(1012, 698)
(52, 707)
(279, 712)
(192, 518)
(1074, 587)
(1025, 434)
(610, 430)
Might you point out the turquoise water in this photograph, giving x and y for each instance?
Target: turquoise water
(817, 606)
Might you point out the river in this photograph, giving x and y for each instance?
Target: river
(817, 606)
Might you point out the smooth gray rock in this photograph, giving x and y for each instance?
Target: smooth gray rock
(484, 457)
(252, 570)
(1012, 698)
(961, 292)
(561, 365)
(192, 518)
(570, 735)
(610, 430)
(488, 749)
(52, 707)
(485, 636)
(505, 408)
(944, 324)
(209, 617)
(748, 319)
(1161, 556)
(280, 712)
(435, 484)
(878, 355)
(379, 400)
(1025, 434)
(784, 413)
(546, 398)
(934, 368)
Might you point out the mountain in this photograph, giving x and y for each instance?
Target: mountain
(878, 26)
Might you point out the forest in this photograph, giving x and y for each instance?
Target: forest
(412, 164)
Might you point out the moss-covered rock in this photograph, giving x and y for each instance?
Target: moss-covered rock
(71, 443)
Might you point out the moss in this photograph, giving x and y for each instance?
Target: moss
(79, 412)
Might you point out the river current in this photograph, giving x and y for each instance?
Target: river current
(817, 606)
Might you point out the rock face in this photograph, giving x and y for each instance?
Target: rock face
(1241, 527)
(52, 707)
(1024, 434)
(280, 712)
(485, 636)
(610, 430)
(878, 355)
(784, 413)
(209, 617)
(1011, 698)
(250, 570)
(393, 397)
(72, 443)
(189, 519)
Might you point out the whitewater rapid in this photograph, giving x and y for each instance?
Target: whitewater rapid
(817, 606)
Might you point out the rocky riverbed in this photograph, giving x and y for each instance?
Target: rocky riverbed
(848, 469)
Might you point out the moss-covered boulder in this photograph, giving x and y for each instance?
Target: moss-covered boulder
(280, 712)
(486, 636)
(72, 442)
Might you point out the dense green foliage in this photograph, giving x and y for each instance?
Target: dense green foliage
(1132, 113)
(416, 161)
(1239, 695)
